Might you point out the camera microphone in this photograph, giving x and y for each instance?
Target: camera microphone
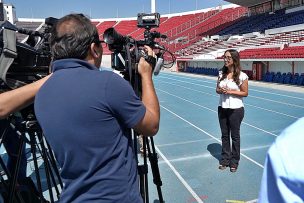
(29, 32)
(159, 64)
(158, 46)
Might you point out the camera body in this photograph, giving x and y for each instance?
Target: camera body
(27, 62)
(127, 51)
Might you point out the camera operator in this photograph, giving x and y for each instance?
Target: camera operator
(86, 115)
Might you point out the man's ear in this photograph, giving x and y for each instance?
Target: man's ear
(93, 50)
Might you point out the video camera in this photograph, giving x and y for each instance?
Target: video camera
(23, 63)
(127, 51)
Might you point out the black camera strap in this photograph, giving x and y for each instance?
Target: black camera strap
(9, 52)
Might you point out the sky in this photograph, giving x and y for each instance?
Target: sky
(105, 8)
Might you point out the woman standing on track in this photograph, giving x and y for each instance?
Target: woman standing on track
(232, 85)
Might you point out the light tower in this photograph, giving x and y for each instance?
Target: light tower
(152, 6)
(1, 11)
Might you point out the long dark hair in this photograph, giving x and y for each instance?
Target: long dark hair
(236, 66)
(72, 37)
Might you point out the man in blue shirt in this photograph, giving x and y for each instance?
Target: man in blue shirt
(86, 115)
(283, 177)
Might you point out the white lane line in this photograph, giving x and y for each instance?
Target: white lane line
(252, 201)
(188, 158)
(283, 114)
(207, 80)
(195, 196)
(284, 103)
(256, 147)
(207, 155)
(282, 95)
(216, 112)
(182, 143)
(192, 83)
(246, 103)
(251, 89)
(253, 161)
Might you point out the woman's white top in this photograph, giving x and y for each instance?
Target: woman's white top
(228, 100)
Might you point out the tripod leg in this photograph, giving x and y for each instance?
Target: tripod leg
(16, 172)
(7, 186)
(12, 142)
(143, 174)
(51, 167)
(37, 174)
(47, 167)
(143, 182)
(54, 165)
(155, 170)
(142, 168)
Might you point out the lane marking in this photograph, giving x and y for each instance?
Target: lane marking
(187, 186)
(284, 114)
(182, 143)
(188, 158)
(251, 89)
(253, 161)
(246, 103)
(216, 113)
(284, 103)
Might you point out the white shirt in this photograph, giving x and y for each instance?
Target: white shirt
(228, 100)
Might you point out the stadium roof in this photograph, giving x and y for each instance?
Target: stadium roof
(247, 3)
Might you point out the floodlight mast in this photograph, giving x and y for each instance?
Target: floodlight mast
(152, 6)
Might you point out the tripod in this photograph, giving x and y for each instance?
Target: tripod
(37, 142)
(148, 152)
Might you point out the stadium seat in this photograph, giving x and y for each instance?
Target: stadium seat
(301, 79)
(264, 77)
(287, 78)
(282, 78)
(277, 77)
(294, 79)
(270, 77)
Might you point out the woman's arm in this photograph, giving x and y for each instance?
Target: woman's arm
(243, 90)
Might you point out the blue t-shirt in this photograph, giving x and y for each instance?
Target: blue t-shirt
(283, 175)
(86, 115)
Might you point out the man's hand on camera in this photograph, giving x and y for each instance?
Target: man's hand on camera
(149, 125)
(145, 68)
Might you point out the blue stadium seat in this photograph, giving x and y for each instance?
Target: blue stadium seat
(277, 77)
(264, 77)
(294, 79)
(301, 79)
(270, 77)
(287, 78)
(282, 78)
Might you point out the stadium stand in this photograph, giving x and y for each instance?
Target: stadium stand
(202, 36)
